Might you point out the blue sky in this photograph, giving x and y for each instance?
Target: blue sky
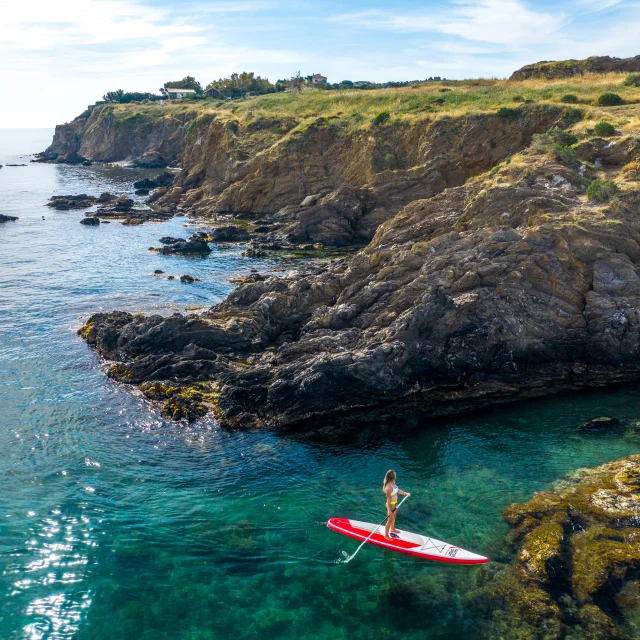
(56, 57)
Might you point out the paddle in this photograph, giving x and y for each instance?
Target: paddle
(350, 558)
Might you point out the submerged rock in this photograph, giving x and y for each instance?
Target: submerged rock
(4, 218)
(91, 222)
(599, 424)
(577, 558)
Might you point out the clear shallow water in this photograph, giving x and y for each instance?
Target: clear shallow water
(116, 522)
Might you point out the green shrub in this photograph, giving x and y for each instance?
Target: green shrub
(381, 118)
(506, 112)
(566, 156)
(602, 190)
(569, 98)
(571, 115)
(610, 100)
(632, 80)
(563, 138)
(518, 98)
(604, 129)
(391, 161)
(233, 126)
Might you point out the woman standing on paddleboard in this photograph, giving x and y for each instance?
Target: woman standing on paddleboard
(391, 490)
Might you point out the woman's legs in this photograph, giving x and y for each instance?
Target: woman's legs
(391, 523)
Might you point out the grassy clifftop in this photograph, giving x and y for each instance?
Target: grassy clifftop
(156, 134)
(362, 107)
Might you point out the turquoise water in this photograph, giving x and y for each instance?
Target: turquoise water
(117, 523)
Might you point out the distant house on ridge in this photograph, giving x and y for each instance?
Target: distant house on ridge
(318, 78)
(178, 94)
(212, 93)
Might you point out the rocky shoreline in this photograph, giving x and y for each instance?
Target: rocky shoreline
(511, 286)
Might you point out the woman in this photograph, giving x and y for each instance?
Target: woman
(391, 490)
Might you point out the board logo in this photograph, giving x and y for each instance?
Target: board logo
(452, 552)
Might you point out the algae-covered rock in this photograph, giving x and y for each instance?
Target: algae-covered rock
(182, 401)
(577, 560)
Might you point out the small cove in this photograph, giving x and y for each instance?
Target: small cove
(115, 519)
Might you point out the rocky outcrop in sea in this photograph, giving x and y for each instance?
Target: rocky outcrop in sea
(577, 567)
(510, 286)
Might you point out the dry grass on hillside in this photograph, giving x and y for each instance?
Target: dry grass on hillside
(432, 99)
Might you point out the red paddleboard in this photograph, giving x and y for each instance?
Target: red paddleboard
(412, 544)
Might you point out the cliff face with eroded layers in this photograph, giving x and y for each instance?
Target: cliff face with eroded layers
(105, 133)
(512, 285)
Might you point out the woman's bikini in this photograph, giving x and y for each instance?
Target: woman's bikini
(394, 496)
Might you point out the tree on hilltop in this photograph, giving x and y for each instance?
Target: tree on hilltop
(238, 84)
(113, 96)
(129, 96)
(188, 82)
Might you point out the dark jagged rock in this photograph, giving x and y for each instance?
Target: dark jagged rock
(4, 218)
(229, 234)
(91, 222)
(68, 202)
(510, 286)
(142, 192)
(150, 160)
(193, 245)
(105, 197)
(158, 272)
(162, 180)
(70, 158)
(123, 203)
(188, 279)
(123, 208)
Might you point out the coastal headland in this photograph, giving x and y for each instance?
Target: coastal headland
(502, 256)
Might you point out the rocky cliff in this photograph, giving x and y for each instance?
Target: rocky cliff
(510, 285)
(107, 133)
(333, 184)
(567, 68)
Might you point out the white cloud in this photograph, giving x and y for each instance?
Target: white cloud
(507, 22)
(69, 52)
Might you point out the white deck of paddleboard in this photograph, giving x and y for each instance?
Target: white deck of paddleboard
(428, 546)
